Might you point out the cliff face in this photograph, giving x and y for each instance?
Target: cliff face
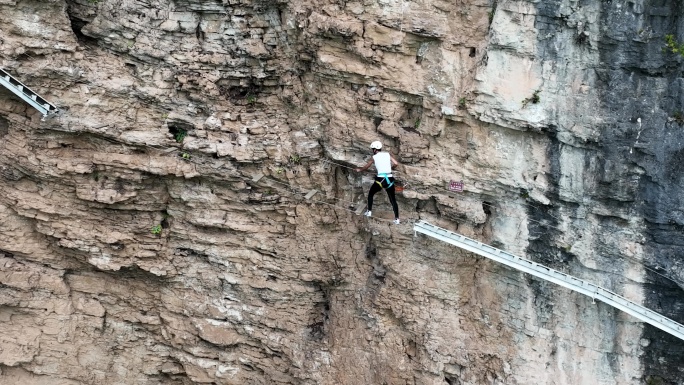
(137, 246)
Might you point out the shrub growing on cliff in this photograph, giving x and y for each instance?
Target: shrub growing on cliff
(179, 130)
(180, 135)
(534, 99)
(678, 117)
(672, 45)
(491, 13)
(295, 159)
(156, 230)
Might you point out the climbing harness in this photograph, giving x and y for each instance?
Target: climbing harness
(385, 180)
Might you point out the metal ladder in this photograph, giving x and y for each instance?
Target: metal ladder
(26, 94)
(661, 322)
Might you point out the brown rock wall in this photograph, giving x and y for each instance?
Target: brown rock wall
(137, 249)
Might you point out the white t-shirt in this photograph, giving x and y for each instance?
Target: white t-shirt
(383, 163)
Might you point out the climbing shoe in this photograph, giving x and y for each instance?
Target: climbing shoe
(367, 213)
(397, 221)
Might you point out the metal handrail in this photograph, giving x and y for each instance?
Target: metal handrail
(30, 97)
(546, 273)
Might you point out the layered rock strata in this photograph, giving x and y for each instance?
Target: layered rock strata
(139, 246)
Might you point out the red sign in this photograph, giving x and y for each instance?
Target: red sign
(456, 186)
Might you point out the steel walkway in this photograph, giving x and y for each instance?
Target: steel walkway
(25, 93)
(548, 274)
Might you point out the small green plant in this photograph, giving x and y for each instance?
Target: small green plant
(157, 229)
(251, 99)
(416, 124)
(180, 135)
(491, 13)
(462, 102)
(279, 170)
(672, 45)
(185, 156)
(678, 117)
(524, 194)
(534, 99)
(295, 159)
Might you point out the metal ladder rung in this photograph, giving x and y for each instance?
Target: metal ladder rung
(26, 93)
(595, 292)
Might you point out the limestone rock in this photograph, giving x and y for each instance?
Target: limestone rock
(156, 230)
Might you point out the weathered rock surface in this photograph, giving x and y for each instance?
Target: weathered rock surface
(136, 247)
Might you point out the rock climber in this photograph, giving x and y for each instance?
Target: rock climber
(384, 162)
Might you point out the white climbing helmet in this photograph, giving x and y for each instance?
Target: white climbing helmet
(376, 145)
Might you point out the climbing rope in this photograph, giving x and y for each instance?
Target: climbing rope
(352, 205)
(411, 221)
(406, 221)
(533, 207)
(302, 194)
